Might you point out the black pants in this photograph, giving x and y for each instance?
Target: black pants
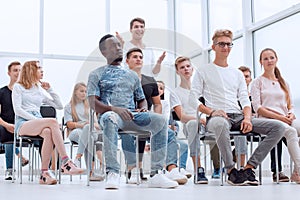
(279, 152)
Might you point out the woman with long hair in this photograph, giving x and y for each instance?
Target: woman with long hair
(76, 116)
(27, 96)
(271, 98)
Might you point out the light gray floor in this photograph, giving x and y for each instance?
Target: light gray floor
(77, 189)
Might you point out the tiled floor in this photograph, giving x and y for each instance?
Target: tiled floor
(77, 189)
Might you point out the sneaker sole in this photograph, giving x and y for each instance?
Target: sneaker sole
(237, 184)
(72, 172)
(201, 182)
(54, 182)
(96, 179)
(282, 180)
(165, 187)
(111, 187)
(253, 183)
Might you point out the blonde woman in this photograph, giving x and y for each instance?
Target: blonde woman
(76, 115)
(271, 98)
(27, 97)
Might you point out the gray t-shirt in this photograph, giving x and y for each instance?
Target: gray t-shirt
(82, 116)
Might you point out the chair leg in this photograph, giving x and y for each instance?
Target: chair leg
(221, 168)
(20, 160)
(178, 155)
(71, 157)
(196, 163)
(277, 167)
(137, 160)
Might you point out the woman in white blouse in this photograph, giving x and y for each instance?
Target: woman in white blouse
(27, 97)
(271, 98)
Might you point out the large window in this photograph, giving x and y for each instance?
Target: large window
(282, 37)
(187, 24)
(266, 8)
(19, 24)
(154, 13)
(73, 27)
(225, 14)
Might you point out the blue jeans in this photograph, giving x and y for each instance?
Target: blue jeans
(9, 155)
(111, 122)
(183, 153)
(128, 146)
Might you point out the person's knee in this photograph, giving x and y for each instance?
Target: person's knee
(109, 117)
(291, 135)
(218, 123)
(46, 133)
(158, 121)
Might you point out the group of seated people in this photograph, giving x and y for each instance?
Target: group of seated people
(127, 99)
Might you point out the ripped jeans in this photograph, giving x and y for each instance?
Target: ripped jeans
(111, 122)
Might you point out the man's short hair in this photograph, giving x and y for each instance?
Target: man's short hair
(221, 32)
(245, 69)
(13, 64)
(137, 19)
(180, 59)
(130, 51)
(102, 40)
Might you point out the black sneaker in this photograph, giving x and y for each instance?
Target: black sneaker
(201, 179)
(237, 178)
(282, 177)
(143, 178)
(250, 175)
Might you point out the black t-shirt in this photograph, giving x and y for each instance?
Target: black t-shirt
(150, 89)
(7, 111)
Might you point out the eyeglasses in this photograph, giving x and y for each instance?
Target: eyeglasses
(223, 44)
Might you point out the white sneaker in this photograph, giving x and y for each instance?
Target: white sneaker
(8, 175)
(112, 181)
(132, 176)
(77, 162)
(96, 177)
(161, 181)
(175, 175)
(185, 173)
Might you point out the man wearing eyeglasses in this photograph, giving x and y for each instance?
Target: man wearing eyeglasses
(222, 86)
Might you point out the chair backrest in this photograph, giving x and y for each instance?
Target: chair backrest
(48, 111)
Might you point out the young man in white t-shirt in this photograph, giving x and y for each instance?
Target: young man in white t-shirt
(222, 86)
(137, 30)
(185, 71)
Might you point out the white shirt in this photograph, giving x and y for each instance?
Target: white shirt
(183, 95)
(26, 100)
(221, 87)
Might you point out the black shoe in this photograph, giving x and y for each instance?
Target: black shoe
(128, 174)
(250, 174)
(282, 177)
(143, 178)
(237, 178)
(201, 179)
